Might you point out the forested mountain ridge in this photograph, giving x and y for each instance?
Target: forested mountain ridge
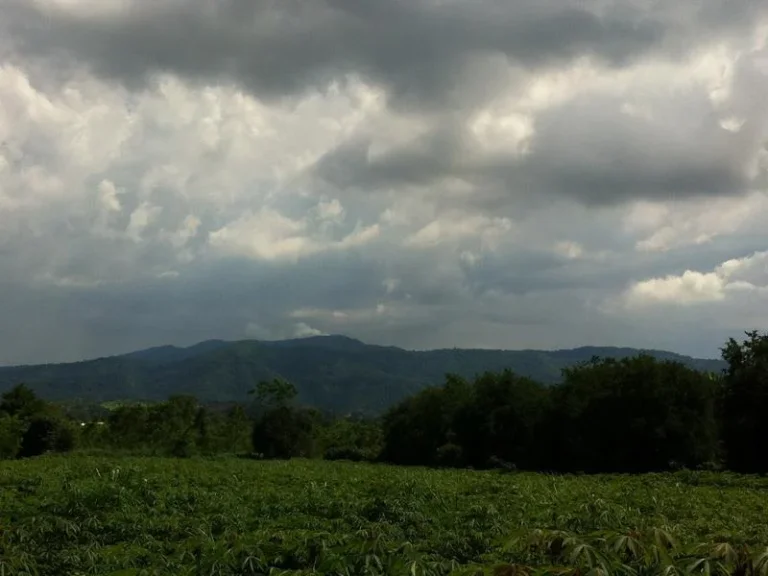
(331, 372)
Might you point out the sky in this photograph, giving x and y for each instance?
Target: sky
(419, 173)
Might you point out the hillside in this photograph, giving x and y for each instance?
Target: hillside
(331, 372)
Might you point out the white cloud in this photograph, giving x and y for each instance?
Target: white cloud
(349, 318)
(456, 226)
(269, 235)
(330, 210)
(188, 229)
(265, 234)
(391, 284)
(691, 287)
(142, 217)
(569, 249)
(108, 196)
(666, 226)
(302, 330)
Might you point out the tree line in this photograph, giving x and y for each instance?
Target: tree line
(272, 426)
(631, 415)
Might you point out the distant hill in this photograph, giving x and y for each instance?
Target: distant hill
(331, 372)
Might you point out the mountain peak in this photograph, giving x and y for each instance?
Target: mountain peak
(333, 372)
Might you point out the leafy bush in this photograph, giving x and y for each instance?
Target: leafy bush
(184, 447)
(11, 432)
(449, 454)
(47, 434)
(351, 453)
(284, 432)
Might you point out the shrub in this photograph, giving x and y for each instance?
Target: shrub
(47, 434)
(283, 433)
(351, 453)
(450, 455)
(11, 431)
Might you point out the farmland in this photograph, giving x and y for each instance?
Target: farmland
(85, 514)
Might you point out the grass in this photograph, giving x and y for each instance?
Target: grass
(77, 514)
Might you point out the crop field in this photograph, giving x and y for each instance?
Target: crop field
(80, 514)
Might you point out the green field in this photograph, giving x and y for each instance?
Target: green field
(90, 515)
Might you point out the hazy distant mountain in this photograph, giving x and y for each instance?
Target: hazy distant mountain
(333, 372)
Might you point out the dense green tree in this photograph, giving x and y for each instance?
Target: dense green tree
(204, 431)
(235, 435)
(634, 414)
(11, 433)
(22, 402)
(47, 434)
(501, 420)
(417, 427)
(127, 428)
(745, 403)
(625, 415)
(172, 425)
(496, 416)
(179, 427)
(284, 432)
(275, 393)
(349, 439)
(29, 426)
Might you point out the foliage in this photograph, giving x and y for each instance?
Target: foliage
(415, 429)
(179, 427)
(275, 393)
(21, 402)
(629, 415)
(93, 515)
(47, 434)
(745, 403)
(235, 430)
(11, 432)
(222, 515)
(29, 426)
(633, 415)
(284, 432)
(349, 439)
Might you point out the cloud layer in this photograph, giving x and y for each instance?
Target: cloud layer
(423, 173)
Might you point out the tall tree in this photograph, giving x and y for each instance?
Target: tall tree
(282, 430)
(11, 432)
(274, 393)
(745, 403)
(22, 402)
(632, 415)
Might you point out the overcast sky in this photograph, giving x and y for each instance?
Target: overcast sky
(422, 173)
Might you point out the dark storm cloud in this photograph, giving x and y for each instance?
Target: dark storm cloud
(585, 150)
(218, 299)
(430, 54)
(527, 272)
(589, 150)
(416, 48)
(78, 280)
(437, 155)
(528, 299)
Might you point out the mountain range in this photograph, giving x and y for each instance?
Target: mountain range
(330, 372)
